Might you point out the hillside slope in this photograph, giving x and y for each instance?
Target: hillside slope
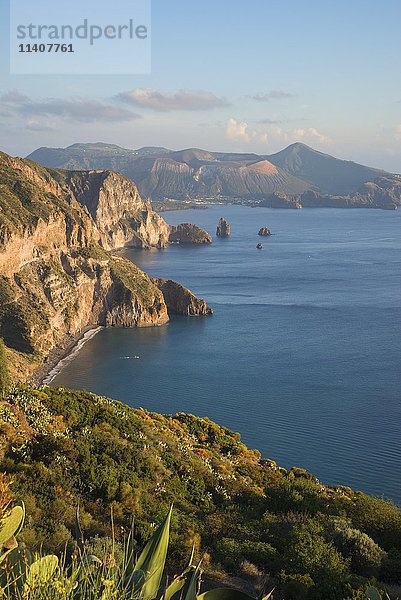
(324, 172)
(249, 518)
(194, 173)
(190, 173)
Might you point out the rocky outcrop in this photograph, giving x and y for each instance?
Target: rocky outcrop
(281, 200)
(223, 228)
(57, 276)
(259, 246)
(187, 233)
(264, 232)
(180, 300)
(115, 205)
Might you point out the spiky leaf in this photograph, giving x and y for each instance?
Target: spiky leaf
(178, 583)
(79, 536)
(153, 558)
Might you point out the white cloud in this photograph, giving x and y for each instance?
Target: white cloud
(308, 135)
(166, 101)
(397, 133)
(239, 131)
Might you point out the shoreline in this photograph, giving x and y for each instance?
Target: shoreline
(61, 356)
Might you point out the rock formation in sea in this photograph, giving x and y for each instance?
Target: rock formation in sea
(57, 275)
(223, 228)
(264, 232)
(180, 300)
(187, 233)
(281, 200)
(259, 246)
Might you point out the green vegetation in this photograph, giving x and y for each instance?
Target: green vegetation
(121, 573)
(247, 517)
(28, 193)
(4, 377)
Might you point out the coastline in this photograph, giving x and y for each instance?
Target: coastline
(60, 356)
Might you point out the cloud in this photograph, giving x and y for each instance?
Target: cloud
(13, 97)
(75, 109)
(238, 131)
(310, 135)
(166, 101)
(272, 95)
(37, 125)
(397, 133)
(280, 121)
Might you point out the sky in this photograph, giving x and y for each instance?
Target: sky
(247, 76)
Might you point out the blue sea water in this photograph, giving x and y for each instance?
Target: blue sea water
(303, 353)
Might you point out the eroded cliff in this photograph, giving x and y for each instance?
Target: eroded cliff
(180, 300)
(57, 276)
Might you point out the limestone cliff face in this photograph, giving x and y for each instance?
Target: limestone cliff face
(121, 216)
(56, 275)
(180, 300)
(56, 297)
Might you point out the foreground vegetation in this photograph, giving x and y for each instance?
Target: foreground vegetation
(128, 574)
(250, 520)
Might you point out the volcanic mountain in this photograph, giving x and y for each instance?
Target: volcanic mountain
(193, 173)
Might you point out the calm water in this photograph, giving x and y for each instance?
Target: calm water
(303, 353)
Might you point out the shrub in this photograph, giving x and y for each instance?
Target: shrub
(364, 554)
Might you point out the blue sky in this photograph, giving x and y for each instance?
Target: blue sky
(239, 76)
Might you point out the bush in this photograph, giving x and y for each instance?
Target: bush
(364, 554)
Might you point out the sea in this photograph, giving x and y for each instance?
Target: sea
(302, 355)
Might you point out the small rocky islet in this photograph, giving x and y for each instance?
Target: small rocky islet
(264, 232)
(223, 229)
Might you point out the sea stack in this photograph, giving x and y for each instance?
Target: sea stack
(259, 246)
(264, 232)
(223, 228)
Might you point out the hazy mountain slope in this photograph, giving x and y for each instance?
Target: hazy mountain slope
(194, 173)
(328, 174)
(188, 173)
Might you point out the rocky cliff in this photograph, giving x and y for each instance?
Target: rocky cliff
(187, 233)
(57, 276)
(180, 300)
(223, 228)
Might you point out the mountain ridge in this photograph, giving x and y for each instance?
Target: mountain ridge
(195, 173)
